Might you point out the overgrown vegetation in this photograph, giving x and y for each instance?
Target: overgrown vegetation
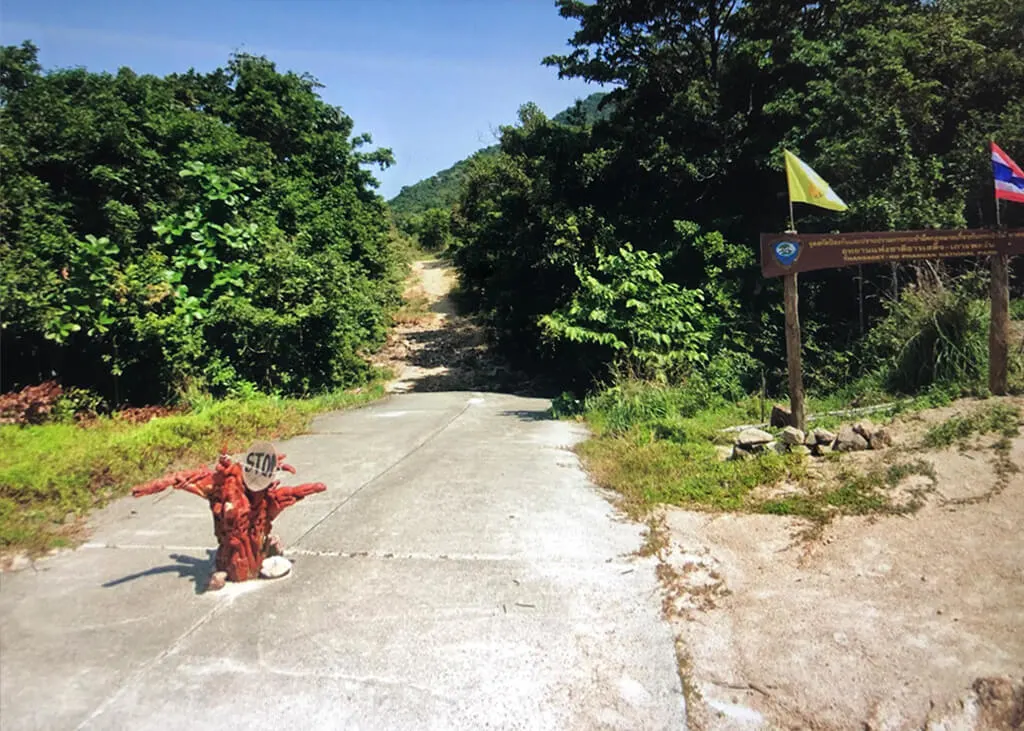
(934, 334)
(432, 229)
(633, 316)
(53, 473)
(687, 166)
(215, 231)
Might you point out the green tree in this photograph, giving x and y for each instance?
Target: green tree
(891, 100)
(434, 229)
(649, 327)
(218, 229)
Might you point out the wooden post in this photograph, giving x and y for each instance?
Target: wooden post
(860, 296)
(796, 378)
(999, 326)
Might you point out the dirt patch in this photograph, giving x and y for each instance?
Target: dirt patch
(433, 348)
(905, 621)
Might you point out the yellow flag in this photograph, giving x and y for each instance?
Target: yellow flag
(806, 186)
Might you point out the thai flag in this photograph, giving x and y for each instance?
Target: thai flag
(1009, 177)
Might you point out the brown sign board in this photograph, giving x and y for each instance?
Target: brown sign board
(787, 253)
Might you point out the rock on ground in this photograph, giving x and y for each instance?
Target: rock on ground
(753, 437)
(824, 436)
(850, 441)
(792, 435)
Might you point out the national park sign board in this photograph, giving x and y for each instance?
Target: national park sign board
(790, 253)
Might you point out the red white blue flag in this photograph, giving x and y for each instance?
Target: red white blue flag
(1008, 175)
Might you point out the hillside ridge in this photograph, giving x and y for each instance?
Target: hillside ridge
(441, 189)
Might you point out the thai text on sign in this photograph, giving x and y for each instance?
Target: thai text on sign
(787, 253)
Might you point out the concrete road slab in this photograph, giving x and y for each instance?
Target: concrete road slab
(421, 643)
(460, 572)
(501, 479)
(79, 626)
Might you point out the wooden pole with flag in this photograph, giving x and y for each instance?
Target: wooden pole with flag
(1008, 184)
(999, 327)
(793, 363)
(805, 186)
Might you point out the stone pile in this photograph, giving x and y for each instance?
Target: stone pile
(819, 442)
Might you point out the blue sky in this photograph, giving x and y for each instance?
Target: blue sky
(431, 79)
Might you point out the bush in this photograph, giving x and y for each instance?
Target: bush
(933, 336)
(434, 229)
(624, 306)
(214, 231)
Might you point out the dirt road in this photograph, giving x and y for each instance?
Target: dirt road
(432, 348)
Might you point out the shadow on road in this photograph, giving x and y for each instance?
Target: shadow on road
(187, 567)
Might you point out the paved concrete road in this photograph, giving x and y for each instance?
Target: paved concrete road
(459, 573)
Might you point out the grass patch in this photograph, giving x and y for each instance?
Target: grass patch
(415, 308)
(1002, 419)
(855, 493)
(656, 444)
(647, 470)
(55, 472)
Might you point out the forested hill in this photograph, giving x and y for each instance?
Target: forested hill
(441, 189)
(588, 108)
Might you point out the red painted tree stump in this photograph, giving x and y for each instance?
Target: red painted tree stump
(242, 518)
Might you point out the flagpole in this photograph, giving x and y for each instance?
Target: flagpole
(999, 320)
(793, 364)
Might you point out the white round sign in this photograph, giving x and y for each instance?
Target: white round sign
(260, 466)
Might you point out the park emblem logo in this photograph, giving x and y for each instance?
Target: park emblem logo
(786, 252)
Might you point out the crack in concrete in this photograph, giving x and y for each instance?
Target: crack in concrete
(387, 555)
(262, 667)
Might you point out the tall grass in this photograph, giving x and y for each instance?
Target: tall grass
(934, 336)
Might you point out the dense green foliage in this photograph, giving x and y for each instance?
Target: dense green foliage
(433, 229)
(627, 309)
(217, 230)
(442, 189)
(892, 101)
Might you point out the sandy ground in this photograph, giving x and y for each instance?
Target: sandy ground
(438, 349)
(894, 622)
